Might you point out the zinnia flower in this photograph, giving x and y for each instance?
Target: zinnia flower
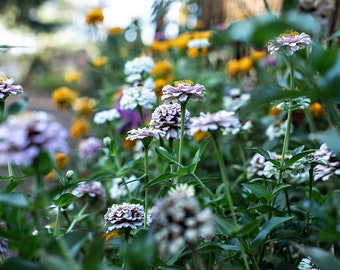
(183, 91)
(124, 215)
(94, 16)
(3, 247)
(214, 121)
(89, 149)
(289, 43)
(139, 65)
(178, 220)
(167, 118)
(91, 192)
(143, 133)
(327, 163)
(7, 88)
(24, 136)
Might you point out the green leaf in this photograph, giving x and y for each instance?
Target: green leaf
(16, 107)
(264, 208)
(278, 188)
(334, 35)
(258, 189)
(14, 199)
(296, 157)
(199, 153)
(20, 263)
(65, 200)
(247, 229)
(216, 246)
(94, 256)
(75, 241)
(164, 154)
(266, 229)
(261, 151)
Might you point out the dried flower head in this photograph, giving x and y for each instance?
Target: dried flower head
(214, 121)
(7, 88)
(289, 42)
(167, 118)
(92, 193)
(24, 136)
(124, 215)
(178, 220)
(183, 91)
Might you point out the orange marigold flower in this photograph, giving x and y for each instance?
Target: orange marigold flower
(257, 55)
(61, 160)
(79, 128)
(110, 235)
(84, 106)
(245, 63)
(317, 109)
(162, 68)
(100, 61)
(73, 76)
(232, 68)
(274, 111)
(193, 52)
(159, 46)
(63, 97)
(129, 145)
(94, 16)
(115, 31)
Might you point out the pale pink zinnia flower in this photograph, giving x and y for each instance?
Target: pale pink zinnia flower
(167, 118)
(289, 43)
(7, 88)
(214, 121)
(328, 165)
(24, 136)
(183, 91)
(124, 215)
(143, 133)
(92, 193)
(89, 148)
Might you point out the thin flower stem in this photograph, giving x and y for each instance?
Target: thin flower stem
(141, 116)
(57, 219)
(181, 138)
(146, 168)
(266, 5)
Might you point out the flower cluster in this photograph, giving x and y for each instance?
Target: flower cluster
(92, 193)
(106, 116)
(89, 148)
(7, 88)
(178, 220)
(124, 215)
(24, 136)
(307, 264)
(327, 165)
(138, 67)
(134, 96)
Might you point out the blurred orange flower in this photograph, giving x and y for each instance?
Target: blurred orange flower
(94, 16)
(63, 97)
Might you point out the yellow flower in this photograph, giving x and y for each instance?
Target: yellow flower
(115, 31)
(193, 52)
(94, 16)
(112, 234)
(232, 68)
(200, 135)
(317, 109)
(245, 63)
(63, 97)
(100, 61)
(73, 76)
(257, 55)
(162, 68)
(61, 160)
(79, 128)
(84, 106)
(160, 82)
(238, 66)
(159, 46)
(273, 111)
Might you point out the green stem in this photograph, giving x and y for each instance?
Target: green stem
(141, 116)
(56, 225)
(266, 5)
(146, 168)
(181, 138)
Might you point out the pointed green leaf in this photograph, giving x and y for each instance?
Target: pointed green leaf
(296, 157)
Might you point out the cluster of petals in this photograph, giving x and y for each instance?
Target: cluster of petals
(139, 65)
(24, 136)
(137, 96)
(143, 133)
(89, 148)
(289, 43)
(7, 88)
(167, 118)
(307, 264)
(124, 215)
(327, 163)
(106, 116)
(214, 121)
(182, 91)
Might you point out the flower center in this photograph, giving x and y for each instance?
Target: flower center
(177, 83)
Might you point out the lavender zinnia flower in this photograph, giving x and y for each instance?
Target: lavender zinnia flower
(89, 149)
(183, 91)
(167, 119)
(91, 192)
(24, 136)
(289, 43)
(214, 121)
(137, 96)
(3, 247)
(124, 215)
(178, 220)
(106, 116)
(257, 164)
(327, 163)
(143, 133)
(7, 88)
